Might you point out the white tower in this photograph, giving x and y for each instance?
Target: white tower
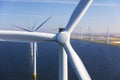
(81, 33)
(90, 34)
(107, 37)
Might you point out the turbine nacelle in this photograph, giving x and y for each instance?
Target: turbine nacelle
(63, 37)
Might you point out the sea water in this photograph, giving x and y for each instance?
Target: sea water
(16, 63)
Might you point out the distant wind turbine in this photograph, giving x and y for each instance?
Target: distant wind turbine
(33, 45)
(90, 34)
(81, 33)
(107, 36)
(62, 38)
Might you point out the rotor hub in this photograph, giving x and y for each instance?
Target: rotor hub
(63, 37)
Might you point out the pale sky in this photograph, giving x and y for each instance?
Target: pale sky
(25, 13)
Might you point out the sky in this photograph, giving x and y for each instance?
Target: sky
(25, 13)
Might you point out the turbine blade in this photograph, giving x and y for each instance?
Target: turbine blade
(76, 63)
(22, 28)
(34, 25)
(77, 14)
(22, 36)
(42, 23)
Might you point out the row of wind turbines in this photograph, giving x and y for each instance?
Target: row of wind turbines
(91, 35)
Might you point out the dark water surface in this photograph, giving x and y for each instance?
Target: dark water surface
(101, 61)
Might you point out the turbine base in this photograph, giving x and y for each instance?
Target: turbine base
(34, 75)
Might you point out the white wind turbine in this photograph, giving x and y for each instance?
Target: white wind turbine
(107, 36)
(90, 34)
(81, 33)
(33, 45)
(62, 38)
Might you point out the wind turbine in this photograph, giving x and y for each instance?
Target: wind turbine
(107, 36)
(33, 45)
(62, 38)
(33, 29)
(90, 34)
(81, 33)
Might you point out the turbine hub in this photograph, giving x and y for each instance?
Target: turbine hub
(63, 37)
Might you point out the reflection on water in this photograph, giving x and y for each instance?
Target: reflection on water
(34, 78)
(16, 62)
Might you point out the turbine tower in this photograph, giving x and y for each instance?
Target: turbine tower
(90, 34)
(81, 33)
(62, 38)
(107, 37)
(33, 45)
(91, 30)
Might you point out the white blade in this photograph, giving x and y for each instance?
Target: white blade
(78, 14)
(23, 28)
(76, 63)
(42, 24)
(23, 36)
